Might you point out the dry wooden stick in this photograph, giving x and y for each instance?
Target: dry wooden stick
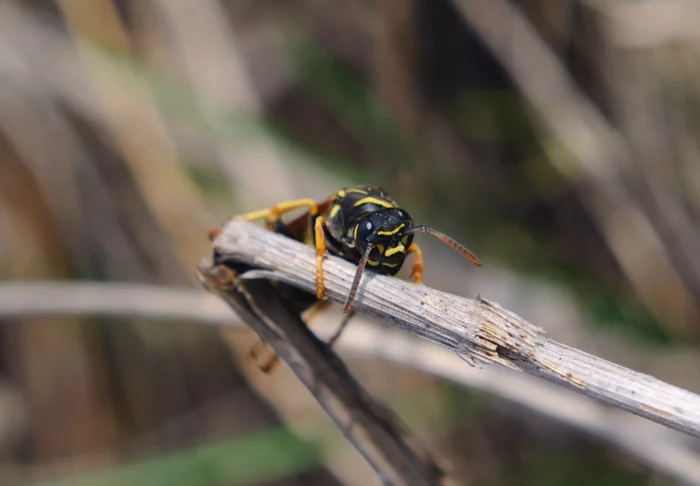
(479, 331)
(371, 428)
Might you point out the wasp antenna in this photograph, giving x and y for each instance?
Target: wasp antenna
(456, 246)
(356, 281)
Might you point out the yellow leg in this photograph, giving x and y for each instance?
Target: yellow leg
(417, 269)
(270, 365)
(320, 252)
(272, 214)
(316, 311)
(264, 357)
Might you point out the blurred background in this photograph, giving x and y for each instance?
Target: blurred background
(558, 140)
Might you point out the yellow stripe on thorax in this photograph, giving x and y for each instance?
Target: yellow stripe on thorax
(373, 200)
(397, 249)
(392, 232)
(334, 211)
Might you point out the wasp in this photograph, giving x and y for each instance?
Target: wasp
(363, 225)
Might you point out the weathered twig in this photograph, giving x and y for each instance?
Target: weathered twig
(661, 449)
(373, 430)
(479, 331)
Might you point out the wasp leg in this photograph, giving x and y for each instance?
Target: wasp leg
(321, 249)
(264, 356)
(417, 270)
(315, 311)
(272, 214)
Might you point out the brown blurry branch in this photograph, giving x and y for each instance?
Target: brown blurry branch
(372, 429)
(203, 27)
(479, 331)
(588, 150)
(653, 23)
(662, 449)
(128, 111)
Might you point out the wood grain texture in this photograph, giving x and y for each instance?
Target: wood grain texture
(477, 330)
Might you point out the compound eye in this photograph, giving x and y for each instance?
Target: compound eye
(364, 230)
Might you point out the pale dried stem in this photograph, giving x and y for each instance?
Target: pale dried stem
(479, 331)
(661, 449)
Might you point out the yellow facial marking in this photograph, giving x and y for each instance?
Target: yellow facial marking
(372, 263)
(397, 249)
(357, 191)
(334, 211)
(380, 247)
(404, 240)
(354, 232)
(390, 265)
(392, 232)
(373, 200)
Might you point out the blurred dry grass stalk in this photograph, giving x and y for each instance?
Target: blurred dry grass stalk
(661, 448)
(96, 182)
(647, 226)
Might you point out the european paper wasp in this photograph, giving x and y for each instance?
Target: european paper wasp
(361, 224)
